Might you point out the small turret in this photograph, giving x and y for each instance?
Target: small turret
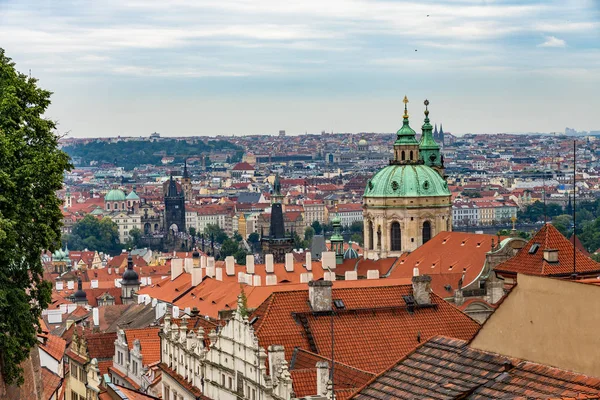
(130, 282)
(337, 240)
(429, 149)
(406, 147)
(80, 297)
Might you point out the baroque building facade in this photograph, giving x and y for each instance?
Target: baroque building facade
(229, 365)
(407, 202)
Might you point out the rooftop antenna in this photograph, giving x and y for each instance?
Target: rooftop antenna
(544, 195)
(574, 186)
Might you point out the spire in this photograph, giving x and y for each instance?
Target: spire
(441, 130)
(406, 135)
(185, 170)
(435, 131)
(428, 148)
(129, 261)
(405, 101)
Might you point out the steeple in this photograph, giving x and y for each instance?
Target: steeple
(337, 240)
(276, 196)
(406, 147)
(186, 175)
(429, 149)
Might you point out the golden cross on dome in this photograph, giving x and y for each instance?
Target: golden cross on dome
(405, 101)
(513, 219)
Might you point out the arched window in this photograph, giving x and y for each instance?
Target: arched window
(371, 234)
(122, 205)
(108, 206)
(426, 231)
(411, 155)
(146, 228)
(155, 227)
(403, 155)
(395, 237)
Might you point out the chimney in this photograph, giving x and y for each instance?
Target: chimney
(196, 276)
(219, 274)
(188, 264)
(373, 274)
(351, 275)
(271, 280)
(70, 285)
(269, 263)
(328, 259)
(308, 261)
(421, 289)
(289, 262)
(109, 269)
(94, 283)
(203, 262)
(96, 317)
(176, 267)
(59, 285)
(551, 255)
(319, 295)
(322, 377)
(250, 264)
(230, 265)
(256, 281)
(210, 262)
(276, 357)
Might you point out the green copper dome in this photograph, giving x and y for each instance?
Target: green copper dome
(133, 196)
(115, 195)
(406, 181)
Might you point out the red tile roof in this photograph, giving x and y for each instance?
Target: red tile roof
(54, 346)
(445, 257)
(530, 262)
(304, 373)
(375, 320)
(243, 166)
(50, 383)
(445, 368)
(149, 341)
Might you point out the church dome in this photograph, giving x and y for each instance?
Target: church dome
(130, 276)
(406, 181)
(350, 253)
(132, 196)
(115, 195)
(362, 142)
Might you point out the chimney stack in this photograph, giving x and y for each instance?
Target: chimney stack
(421, 289)
(308, 261)
(322, 377)
(319, 295)
(269, 263)
(230, 265)
(289, 262)
(250, 264)
(551, 255)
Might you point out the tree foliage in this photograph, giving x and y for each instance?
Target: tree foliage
(134, 153)
(94, 234)
(316, 225)
(215, 232)
(31, 171)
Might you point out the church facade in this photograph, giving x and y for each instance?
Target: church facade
(408, 202)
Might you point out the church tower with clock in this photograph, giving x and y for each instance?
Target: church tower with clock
(408, 202)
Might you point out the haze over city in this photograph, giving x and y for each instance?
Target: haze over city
(246, 67)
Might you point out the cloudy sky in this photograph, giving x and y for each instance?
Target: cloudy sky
(207, 67)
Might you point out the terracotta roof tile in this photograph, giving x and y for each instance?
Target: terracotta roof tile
(445, 368)
(149, 341)
(375, 320)
(530, 262)
(50, 383)
(54, 346)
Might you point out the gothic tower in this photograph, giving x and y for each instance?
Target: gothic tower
(186, 184)
(130, 282)
(277, 242)
(174, 209)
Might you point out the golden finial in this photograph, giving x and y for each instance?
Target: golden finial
(405, 101)
(513, 219)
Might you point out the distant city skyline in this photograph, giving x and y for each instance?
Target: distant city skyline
(256, 67)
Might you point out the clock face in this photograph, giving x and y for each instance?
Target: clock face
(432, 157)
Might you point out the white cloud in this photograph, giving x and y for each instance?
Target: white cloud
(553, 41)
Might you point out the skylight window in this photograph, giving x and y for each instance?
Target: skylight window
(534, 248)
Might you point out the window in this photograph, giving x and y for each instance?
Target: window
(426, 231)
(396, 237)
(167, 393)
(371, 234)
(230, 383)
(135, 368)
(223, 380)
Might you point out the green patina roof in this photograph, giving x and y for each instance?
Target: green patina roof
(406, 135)
(406, 181)
(115, 195)
(133, 196)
